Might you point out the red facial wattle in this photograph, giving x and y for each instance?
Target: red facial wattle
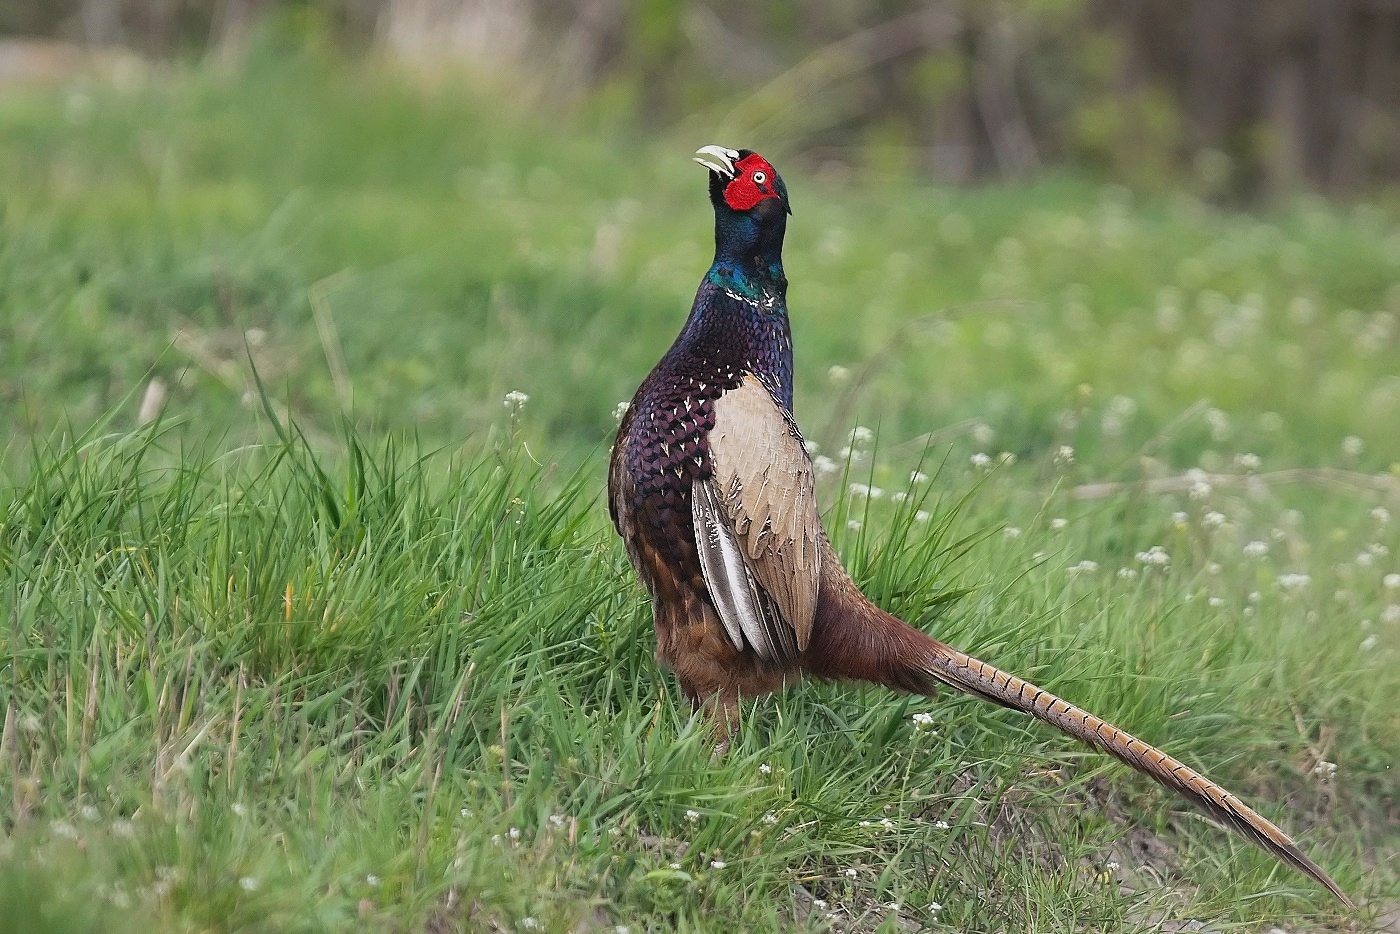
(754, 181)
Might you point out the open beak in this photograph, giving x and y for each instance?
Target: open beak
(717, 159)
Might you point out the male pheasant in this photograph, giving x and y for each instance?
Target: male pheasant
(713, 493)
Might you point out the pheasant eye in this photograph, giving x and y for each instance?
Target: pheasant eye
(759, 178)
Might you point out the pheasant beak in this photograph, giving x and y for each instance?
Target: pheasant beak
(717, 159)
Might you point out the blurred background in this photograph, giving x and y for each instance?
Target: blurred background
(1240, 98)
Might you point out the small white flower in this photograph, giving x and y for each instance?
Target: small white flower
(1213, 519)
(1370, 642)
(923, 515)
(717, 864)
(249, 883)
(620, 410)
(865, 490)
(1254, 596)
(1006, 458)
(1324, 769)
(893, 906)
(1365, 559)
(983, 434)
(1250, 462)
(529, 924)
(1216, 601)
(692, 815)
(1065, 455)
(514, 833)
(853, 524)
(900, 496)
(515, 400)
(1180, 518)
(922, 721)
(981, 460)
(1352, 446)
(1391, 581)
(64, 829)
(1156, 556)
(1391, 614)
(851, 873)
(1058, 524)
(838, 374)
(825, 465)
(673, 866)
(1112, 866)
(239, 809)
(918, 477)
(622, 929)
(1381, 515)
(1083, 567)
(766, 769)
(1256, 549)
(860, 435)
(1213, 568)
(371, 879)
(556, 821)
(886, 823)
(1127, 574)
(935, 907)
(864, 823)
(1379, 550)
(820, 904)
(1011, 532)
(770, 818)
(1294, 581)
(90, 813)
(940, 825)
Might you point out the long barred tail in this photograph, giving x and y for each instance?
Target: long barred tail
(959, 670)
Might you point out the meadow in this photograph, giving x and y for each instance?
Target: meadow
(314, 619)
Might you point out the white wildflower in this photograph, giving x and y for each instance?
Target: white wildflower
(1216, 602)
(923, 515)
(1213, 519)
(1391, 614)
(838, 374)
(1180, 518)
(853, 524)
(1127, 574)
(515, 400)
(556, 821)
(64, 829)
(1365, 559)
(717, 864)
(620, 410)
(1249, 462)
(1058, 524)
(1352, 446)
(825, 465)
(371, 879)
(1065, 455)
(1256, 549)
(893, 906)
(1379, 550)
(935, 907)
(239, 809)
(820, 904)
(529, 924)
(1219, 424)
(1156, 556)
(1084, 567)
(249, 883)
(1294, 581)
(860, 435)
(90, 813)
(922, 721)
(940, 825)
(1370, 642)
(1391, 581)
(865, 490)
(513, 833)
(980, 460)
(1011, 532)
(918, 477)
(692, 815)
(1254, 596)
(1324, 769)
(1381, 515)
(770, 818)
(900, 497)
(983, 434)
(766, 769)
(1006, 458)
(1112, 866)
(851, 873)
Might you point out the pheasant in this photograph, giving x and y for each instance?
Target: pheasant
(713, 494)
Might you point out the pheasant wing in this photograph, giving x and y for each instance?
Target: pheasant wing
(756, 524)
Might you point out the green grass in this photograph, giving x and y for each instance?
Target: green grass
(391, 670)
